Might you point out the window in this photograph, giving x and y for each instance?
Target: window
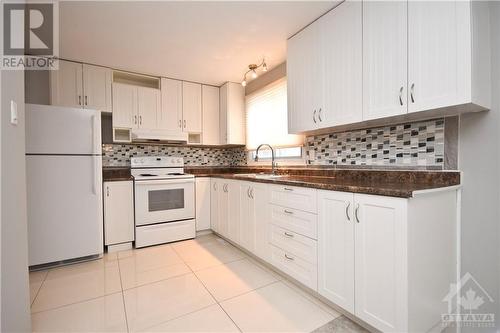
(267, 122)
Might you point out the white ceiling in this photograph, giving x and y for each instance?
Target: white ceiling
(209, 42)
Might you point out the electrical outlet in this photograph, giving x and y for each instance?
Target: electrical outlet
(13, 113)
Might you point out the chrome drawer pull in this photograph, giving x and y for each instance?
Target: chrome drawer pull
(288, 235)
(288, 212)
(288, 189)
(289, 258)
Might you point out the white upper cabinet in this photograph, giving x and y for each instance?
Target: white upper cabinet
(170, 117)
(191, 107)
(125, 106)
(341, 40)
(232, 114)
(384, 58)
(67, 85)
(210, 107)
(97, 88)
(439, 54)
(148, 107)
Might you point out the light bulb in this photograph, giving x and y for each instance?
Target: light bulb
(254, 74)
(244, 83)
(264, 67)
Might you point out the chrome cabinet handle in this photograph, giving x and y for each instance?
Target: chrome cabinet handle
(314, 117)
(251, 193)
(225, 188)
(288, 212)
(184, 123)
(319, 114)
(140, 120)
(79, 100)
(180, 123)
(401, 95)
(288, 189)
(215, 186)
(248, 192)
(107, 191)
(288, 235)
(347, 211)
(411, 92)
(356, 213)
(86, 100)
(289, 258)
(135, 120)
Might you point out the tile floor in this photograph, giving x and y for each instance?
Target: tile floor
(202, 285)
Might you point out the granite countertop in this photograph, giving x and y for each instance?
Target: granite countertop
(113, 174)
(401, 184)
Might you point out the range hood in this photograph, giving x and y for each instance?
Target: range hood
(141, 135)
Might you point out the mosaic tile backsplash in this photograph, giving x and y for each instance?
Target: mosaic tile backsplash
(412, 144)
(119, 154)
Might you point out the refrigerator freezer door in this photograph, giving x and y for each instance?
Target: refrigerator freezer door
(64, 207)
(61, 130)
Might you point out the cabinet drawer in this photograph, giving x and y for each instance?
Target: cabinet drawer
(296, 197)
(299, 269)
(295, 220)
(291, 242)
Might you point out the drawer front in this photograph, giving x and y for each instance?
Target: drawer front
(297, 197)
(164, 233)
(299, 269)
(291, 242)
(303, 223)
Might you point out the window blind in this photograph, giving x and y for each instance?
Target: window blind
(267, 118)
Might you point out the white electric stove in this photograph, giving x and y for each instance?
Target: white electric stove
(164, 200)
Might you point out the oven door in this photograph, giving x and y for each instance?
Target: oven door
(167, 200)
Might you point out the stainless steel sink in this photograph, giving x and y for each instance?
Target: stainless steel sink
(259, 175)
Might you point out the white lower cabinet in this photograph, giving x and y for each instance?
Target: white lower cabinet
(253, 218)
(214, 204)
(118, 212)
(203, 203)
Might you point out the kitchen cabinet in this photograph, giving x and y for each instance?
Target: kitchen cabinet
(135, 107)
(232, 114)
(324, 71)
(233, 210)
(170, 118)
(247, 217)
(384, 58)
(254, 218)
(81, 85)
(210, 107)
(118, 212)
(191, 107)
(203, 204)
(215, 188)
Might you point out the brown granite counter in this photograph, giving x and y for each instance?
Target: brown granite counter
(113, 174)
(400, 183)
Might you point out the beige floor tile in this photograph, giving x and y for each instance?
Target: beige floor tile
(104, 314)
(36, 280)
(77, 283)
(275, 308)
(210, 319)
(204, 255)
(159, 302)
(233, 279)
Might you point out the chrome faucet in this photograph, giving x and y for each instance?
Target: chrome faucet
(273, 164)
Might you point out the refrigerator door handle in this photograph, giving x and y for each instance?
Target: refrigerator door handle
(94, 176)
(95, 126)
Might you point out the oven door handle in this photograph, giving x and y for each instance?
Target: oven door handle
(164, 181)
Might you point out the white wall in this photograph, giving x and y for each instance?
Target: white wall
(15, 311)
(479, 159)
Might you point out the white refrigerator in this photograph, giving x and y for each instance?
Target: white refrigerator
(64, 180)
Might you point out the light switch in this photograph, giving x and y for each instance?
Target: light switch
(13, 113)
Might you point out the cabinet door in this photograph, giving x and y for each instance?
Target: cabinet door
(125, 106)
(148, 107)
(214, 204)
(118, 212)
(191, 107)
(203, 203)
(304, 79)
(97, 88)
(170, 117)
(247, 217)
(439, 54)
(223, 202)
(233, 211)
(210, 98)
(336, 248)
(380, 262)
(384, 58)
(66, 85)
(260, 198)
(341, 38)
